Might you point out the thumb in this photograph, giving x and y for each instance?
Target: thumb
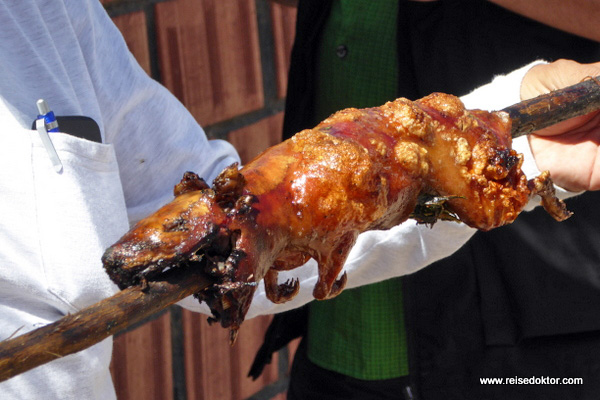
(544, 78)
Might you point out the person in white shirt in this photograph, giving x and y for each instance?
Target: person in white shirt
(56, 225)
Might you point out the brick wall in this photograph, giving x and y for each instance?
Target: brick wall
(227, 61)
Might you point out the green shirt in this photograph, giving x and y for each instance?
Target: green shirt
(361, 332)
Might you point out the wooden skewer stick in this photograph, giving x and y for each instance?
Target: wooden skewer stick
(76, 332)
(554, 107)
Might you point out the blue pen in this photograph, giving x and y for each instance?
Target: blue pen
(46, 122)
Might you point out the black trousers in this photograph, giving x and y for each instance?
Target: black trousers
(311, 382)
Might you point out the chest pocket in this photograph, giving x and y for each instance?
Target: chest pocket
(80, 212)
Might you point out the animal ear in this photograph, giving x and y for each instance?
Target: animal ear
(229, 186)
(189, 183)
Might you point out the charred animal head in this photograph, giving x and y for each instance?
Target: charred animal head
(201, 226)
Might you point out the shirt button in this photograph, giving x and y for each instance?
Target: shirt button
(341, 51)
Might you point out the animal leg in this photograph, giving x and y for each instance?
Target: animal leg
(280, 293)
(330, 265)
(543, 187)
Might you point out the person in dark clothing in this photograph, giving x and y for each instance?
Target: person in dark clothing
(510, 303)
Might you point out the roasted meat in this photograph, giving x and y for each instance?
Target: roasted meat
(312, 195)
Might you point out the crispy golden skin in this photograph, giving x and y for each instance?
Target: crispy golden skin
(312, 195)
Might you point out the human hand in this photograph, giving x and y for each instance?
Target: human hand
(570, 150)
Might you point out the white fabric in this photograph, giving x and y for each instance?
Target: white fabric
(55, 226)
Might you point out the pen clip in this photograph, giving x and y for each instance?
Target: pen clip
(40, 125)
(47, 115)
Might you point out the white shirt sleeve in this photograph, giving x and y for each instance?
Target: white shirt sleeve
(155, 138)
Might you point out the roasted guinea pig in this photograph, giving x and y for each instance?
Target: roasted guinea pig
(312, 195)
